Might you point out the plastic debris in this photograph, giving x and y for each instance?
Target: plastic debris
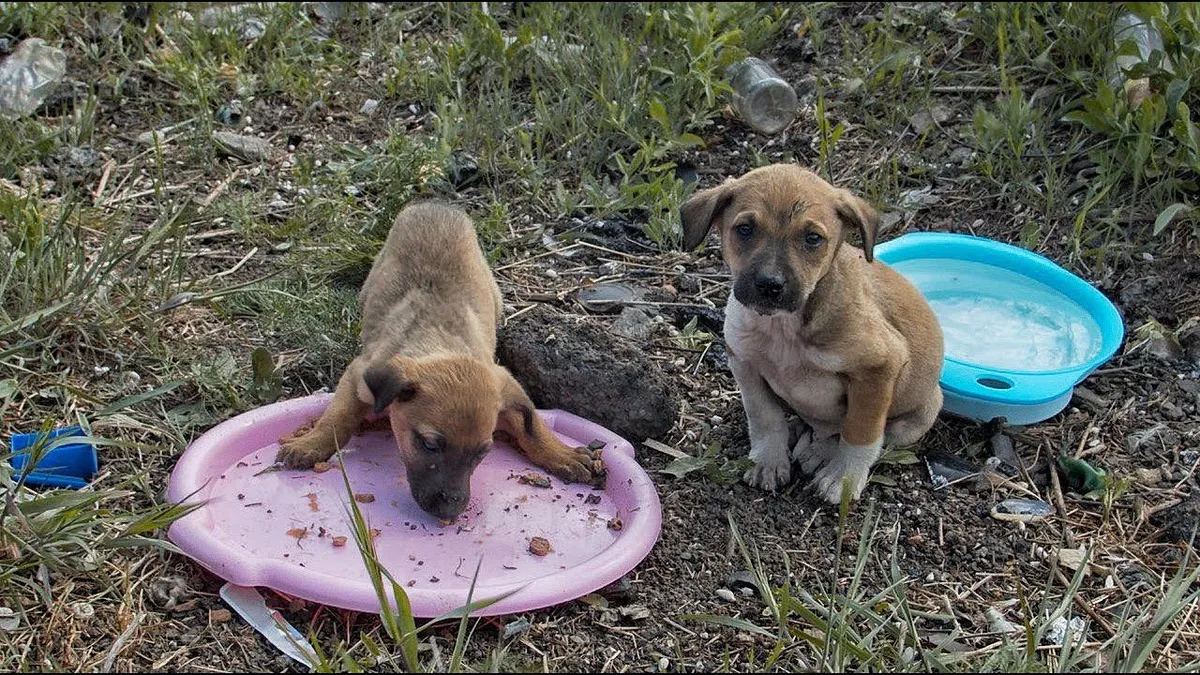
(28, 76)
(1083, 477)
(997, 623)
(63, 465)
(762, 98)
(249, 603)
(1022, 510)
(515, 628)
(945, 469)
(605, 297)
(1056, 633)
(230, 114)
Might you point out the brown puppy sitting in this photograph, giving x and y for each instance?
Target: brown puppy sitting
(429, 310)
(844, 341)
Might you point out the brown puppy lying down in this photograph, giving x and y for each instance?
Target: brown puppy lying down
(819, 327)
(429, 310)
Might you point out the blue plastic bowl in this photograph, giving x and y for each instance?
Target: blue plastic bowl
(1020, 331)
(70, 465)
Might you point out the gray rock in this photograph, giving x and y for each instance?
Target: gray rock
(741, 580)
(726, 594)
(632, 324)
(577, 367)
(248, 148)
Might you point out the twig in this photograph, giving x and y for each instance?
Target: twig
(1084, 604)
(235, 268)
(1062, 506)
(966, 89)
(119, 644)
(108, 169)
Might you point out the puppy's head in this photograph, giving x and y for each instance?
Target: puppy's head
(781, 227)
(443, 411)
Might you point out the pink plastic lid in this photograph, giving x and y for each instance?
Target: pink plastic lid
(265, 529)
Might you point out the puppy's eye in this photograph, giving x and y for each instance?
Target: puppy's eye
(744, 230)
(813, 240)
(430, 444)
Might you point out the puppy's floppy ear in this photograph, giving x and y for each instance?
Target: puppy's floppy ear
(386, 382)
(855, 212)
(701, 210)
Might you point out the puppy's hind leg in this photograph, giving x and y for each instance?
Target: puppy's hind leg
(767, 420)
(333, 430)
(908, 429)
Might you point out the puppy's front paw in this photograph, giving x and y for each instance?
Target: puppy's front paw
(769, 472)
(850, 464)
(814, 454)
(578, 465)
(302, 452)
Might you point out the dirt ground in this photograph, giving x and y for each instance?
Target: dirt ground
(1136, 417)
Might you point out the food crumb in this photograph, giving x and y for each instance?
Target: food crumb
(298, 532)
(535, 479)
(321, 467)
(219, 615)
(615, 524)
(540, 546)
(364, 498)
(339, 541)
(375, 533)
(312, 501)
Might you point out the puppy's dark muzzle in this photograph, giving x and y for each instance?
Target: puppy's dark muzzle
(445, 506)
(765, 293)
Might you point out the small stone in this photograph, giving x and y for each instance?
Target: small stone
(1164, 347)
(726, 595)
(620, 590)
(368, 107)
(741, 579)
(550, 273)
(248, 148)
(635, 612)
(924, 120)
(1148, 477)
(83, 610)
(633, 324)
(9, 620)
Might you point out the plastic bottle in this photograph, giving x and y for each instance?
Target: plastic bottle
(28, 76)
(762, 98)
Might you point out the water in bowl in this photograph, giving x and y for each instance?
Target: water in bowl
(996, 318)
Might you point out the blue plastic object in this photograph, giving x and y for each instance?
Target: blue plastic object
(1020, 331)
(70, 465)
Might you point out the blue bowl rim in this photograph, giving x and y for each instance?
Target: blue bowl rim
(911, 246)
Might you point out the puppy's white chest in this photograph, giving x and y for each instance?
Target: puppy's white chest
(804, 375)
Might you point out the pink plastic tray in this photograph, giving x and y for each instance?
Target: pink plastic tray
(241, 533)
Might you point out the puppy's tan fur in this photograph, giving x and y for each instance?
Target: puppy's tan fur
(819, 326)
(429, 311)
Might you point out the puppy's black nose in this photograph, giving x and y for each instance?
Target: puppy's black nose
(769, 285)
(452, 498)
